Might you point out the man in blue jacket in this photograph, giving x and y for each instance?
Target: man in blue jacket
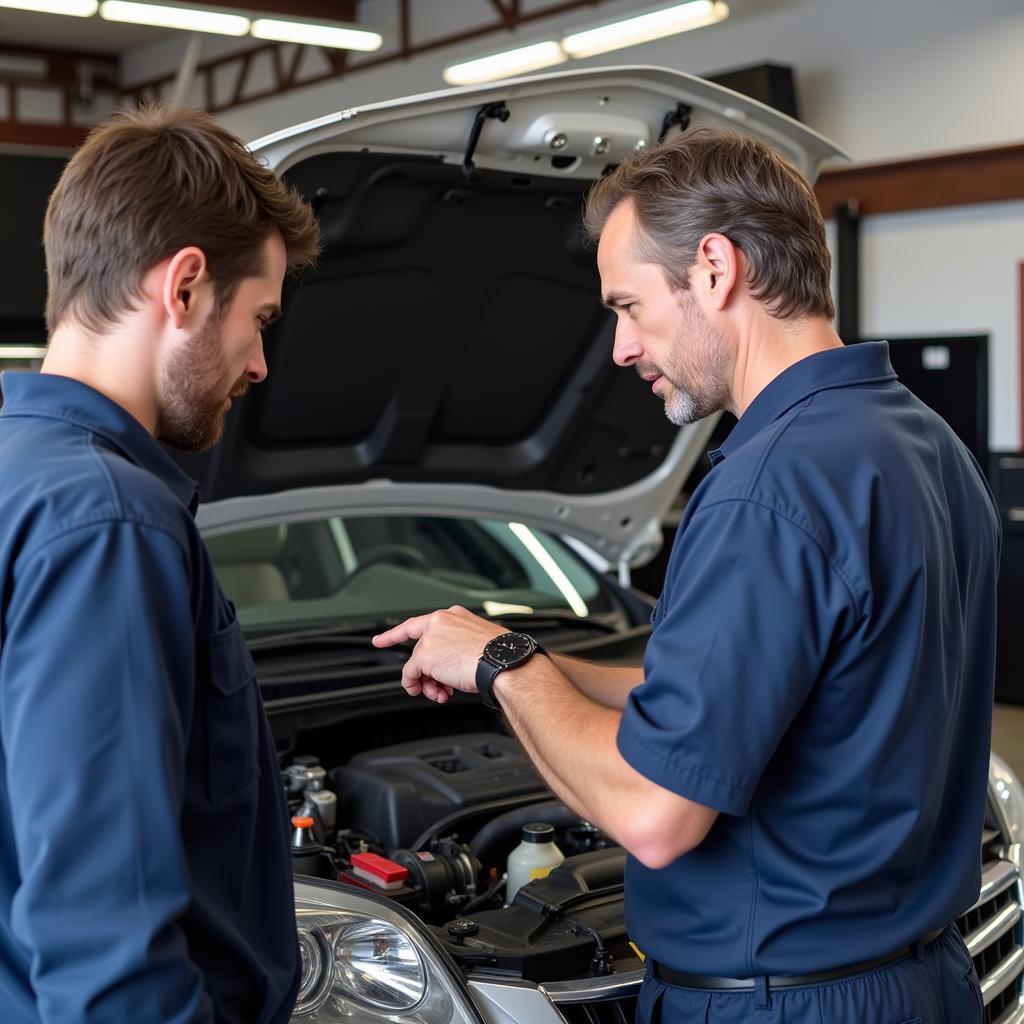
(144, 865)
(800, 773)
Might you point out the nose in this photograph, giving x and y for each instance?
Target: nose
(627, 348)
(256, 368)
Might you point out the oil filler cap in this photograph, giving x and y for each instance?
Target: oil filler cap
(463, 928)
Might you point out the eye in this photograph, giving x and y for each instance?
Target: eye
(264, 322)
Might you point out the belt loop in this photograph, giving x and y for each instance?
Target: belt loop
(762, 997)
(919, 951)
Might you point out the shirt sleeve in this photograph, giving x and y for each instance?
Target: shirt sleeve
(97, 682)
(742, 633)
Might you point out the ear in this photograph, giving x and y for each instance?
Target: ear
(184, 280)
(717, 269)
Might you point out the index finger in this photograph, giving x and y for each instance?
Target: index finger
(411, 629)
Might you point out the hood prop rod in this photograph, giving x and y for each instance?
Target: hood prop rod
(488, 110)
(680, 116)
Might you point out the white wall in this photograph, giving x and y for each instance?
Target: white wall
(952, 271)
(883, 78)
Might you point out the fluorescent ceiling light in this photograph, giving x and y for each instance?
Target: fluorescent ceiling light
(642, 29)
(187, 18)
(317, 34)
(76, 8)
(501, 65)
(22, 352)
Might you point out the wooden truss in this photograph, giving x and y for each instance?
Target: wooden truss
(229, 81)
(63, 83)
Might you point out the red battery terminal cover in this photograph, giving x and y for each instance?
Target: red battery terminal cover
(383, 873)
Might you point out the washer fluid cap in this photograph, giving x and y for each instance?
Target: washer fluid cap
(538, 832)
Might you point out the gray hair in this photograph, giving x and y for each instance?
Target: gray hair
(708, 180)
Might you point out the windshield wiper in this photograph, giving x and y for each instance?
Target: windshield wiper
(357, 634)
(343, 634)
(554, 617)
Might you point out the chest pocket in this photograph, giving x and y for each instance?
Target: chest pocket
(232, 714)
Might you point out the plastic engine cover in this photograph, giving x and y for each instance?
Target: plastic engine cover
(399, 792)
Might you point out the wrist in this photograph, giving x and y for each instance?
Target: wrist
(517, 678)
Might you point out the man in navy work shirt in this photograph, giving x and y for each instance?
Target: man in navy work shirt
(144, 866)
(800, 773)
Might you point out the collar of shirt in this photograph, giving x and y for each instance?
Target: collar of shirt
(64, 398)
(863, 363)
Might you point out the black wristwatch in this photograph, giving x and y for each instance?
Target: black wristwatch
(505, 651)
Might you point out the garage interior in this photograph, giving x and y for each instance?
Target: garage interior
(925, 219)
(935, 146)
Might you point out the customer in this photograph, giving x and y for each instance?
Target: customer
(800, 773)
(144, 866)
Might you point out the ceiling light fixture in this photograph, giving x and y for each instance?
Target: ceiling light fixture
(76, 8)
(162, 16)
(502, 65)
(646, 27)
(315, 33)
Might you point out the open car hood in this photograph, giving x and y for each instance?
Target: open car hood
(450, 354)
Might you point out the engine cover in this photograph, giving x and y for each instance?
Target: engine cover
(399, 792)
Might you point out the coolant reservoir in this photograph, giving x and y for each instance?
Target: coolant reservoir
(534, 857)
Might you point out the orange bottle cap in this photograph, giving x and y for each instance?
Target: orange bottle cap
(302, 822)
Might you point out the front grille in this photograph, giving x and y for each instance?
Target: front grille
(608, 1000)
(616, 1011)
(994, 932)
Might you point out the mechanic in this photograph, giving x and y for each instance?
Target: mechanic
(144, 862)
(800, 774)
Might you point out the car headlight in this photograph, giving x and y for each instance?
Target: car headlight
(1009, 798)
(364, 960)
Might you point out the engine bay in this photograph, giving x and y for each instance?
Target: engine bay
(432, 823)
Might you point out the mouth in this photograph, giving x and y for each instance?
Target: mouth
(654, 378)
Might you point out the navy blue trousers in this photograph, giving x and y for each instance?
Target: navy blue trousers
(940, 987)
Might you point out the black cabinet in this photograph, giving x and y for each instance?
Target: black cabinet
(25, 185)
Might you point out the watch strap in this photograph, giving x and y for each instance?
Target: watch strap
(486, 673)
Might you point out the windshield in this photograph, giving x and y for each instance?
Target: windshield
(386, 567)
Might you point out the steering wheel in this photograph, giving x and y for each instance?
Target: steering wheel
(395, 554)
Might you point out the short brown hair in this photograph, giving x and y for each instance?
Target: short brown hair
(708, 180)
(148, 183)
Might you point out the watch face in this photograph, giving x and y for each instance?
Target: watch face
(509, 649)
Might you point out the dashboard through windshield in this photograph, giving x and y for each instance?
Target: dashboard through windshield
(383, 567)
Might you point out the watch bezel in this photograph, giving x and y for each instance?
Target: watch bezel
(502, 657)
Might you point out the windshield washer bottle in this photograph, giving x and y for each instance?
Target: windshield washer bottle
(534, 857)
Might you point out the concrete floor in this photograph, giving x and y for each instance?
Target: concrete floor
(1008, 735)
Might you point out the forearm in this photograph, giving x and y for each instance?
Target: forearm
(536, 706)
(608, 685)
(572, 740)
